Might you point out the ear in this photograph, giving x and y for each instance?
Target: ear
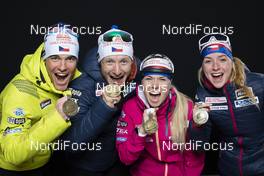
(133, 72)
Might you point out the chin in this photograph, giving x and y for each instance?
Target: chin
(62, 87)
(155, 105)
(218, 85)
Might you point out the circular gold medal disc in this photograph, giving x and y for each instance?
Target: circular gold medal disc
(150, 126)
(70, 107)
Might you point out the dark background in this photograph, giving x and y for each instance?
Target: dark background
(144, 19)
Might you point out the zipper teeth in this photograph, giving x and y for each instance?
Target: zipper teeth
(240, 155)
(231, 111)
(158, 146)
(166, 170)
(240, 139)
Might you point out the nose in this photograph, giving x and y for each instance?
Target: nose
(62, 65)
(215, 65)
(117, 69)
(155, 84)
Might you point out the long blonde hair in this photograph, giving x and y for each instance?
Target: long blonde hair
(179, 122)
(237, 76)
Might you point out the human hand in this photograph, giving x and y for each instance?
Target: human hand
(200, 113)
(59, 107)
(150, 124)
(111, 95)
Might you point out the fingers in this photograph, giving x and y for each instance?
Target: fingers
(116, 99)
(111, 101)
(149, 113)
(59, 106)
(202, 105)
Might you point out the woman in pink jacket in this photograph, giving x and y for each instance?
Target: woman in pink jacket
(151, 132)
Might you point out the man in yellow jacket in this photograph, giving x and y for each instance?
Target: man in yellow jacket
(31, 113)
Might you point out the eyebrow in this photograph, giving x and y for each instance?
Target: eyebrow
(222, 55)
(124, 59)
(71, 57)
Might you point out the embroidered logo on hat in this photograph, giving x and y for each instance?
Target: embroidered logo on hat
(60, 40)
(213, 43)
(64, 49)
(157, 62)
(115, 42)
(117, 49)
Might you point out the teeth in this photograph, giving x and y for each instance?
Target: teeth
(117, 78)
(61, 74)
(154, 93)
(217, 74)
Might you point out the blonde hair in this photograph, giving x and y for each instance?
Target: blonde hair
(179, 118)
(237, 76)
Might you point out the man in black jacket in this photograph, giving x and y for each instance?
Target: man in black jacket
(90, 142)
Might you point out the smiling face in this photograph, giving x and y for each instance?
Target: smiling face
(156, 89)
(61, 69)
(116, 69)
(217, 68)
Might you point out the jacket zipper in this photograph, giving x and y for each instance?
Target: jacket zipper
(166, 169)
(240, 139)
(158, 145)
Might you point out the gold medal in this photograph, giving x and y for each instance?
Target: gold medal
(70, 107)
(151, 125)
(201, 116)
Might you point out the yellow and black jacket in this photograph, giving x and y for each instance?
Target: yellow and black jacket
(29, 121)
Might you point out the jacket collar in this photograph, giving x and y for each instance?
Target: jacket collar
(210, 87)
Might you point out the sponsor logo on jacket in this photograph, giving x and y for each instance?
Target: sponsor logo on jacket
(121, 123)
(11, 131)
(240, 93)
(121, 131)
(45, 103)
(19, 112)
(246, 102)
(75, 92)
(16, 121)
(215, 100)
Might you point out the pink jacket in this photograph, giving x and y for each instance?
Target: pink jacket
(154, 155)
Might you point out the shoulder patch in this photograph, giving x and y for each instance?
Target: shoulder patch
(26, 87)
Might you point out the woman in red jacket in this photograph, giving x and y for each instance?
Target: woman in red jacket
(151, 132)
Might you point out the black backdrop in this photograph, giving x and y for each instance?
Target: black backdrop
(146, 20)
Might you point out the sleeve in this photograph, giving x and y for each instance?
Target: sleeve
(90, 121)
(193, 160)
(129, 145)
(20, 133)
